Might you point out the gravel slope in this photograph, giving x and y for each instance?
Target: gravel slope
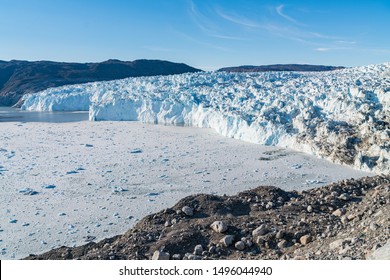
(349, 219)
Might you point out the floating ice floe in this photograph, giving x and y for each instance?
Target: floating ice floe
(119, 190)
(152, 194)
(49, 187)
(28, 191)
(2, 169)
(296, 166)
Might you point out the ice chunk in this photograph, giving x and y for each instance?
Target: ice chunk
(28, 191)
(151, 194)
(49, 186)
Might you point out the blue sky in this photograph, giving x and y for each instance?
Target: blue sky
(204, 34)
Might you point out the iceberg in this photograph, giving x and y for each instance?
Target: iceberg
(341, 115)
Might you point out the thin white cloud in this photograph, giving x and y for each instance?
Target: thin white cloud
(238, 20)
(202, 43)
(229, 37)
(322, 49)
(204, 24)
(283, 28)
(322, 36)
(199, 19)
(296, 32)
(279, 11)
(328, 49)
(346, 42)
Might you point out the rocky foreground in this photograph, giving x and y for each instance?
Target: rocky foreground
(344, 220)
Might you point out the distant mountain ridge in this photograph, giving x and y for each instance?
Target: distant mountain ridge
(21, 77)
(281, 67)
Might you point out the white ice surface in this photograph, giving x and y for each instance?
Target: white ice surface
(340, 115)
(98, 178)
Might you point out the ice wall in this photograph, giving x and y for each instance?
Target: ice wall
(340, 115)
(66, 98)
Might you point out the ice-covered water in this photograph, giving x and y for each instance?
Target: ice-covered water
(8, 114)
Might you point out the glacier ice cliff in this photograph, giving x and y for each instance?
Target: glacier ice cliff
(341, 115)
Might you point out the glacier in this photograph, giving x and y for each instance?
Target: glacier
(341, 115)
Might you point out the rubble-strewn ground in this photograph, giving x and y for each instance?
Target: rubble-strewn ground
(344, 220)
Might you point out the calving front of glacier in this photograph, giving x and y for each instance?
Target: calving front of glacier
(65, 98)
(340, 115)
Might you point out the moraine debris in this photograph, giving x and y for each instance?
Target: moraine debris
(285, 231)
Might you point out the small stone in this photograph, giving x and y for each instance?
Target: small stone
(160, 255)
(345, 196)
(374, 226)
(198, 250)
(269, 205)
(219, 226)
(176, 257)
(260, 241)
(344, 219)
(168, 223)
(336, 244)
(351, 217)
(194, 257)
(261, 230)
(354, 240)
(309, 209)
(227, 240)
(188, 210)
(339, 212)
(240, 245)
(282, 244)
(249, 243)
(212, 249)
(280, 234)
(306, 239)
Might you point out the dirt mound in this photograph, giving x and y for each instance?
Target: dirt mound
(345, 220)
